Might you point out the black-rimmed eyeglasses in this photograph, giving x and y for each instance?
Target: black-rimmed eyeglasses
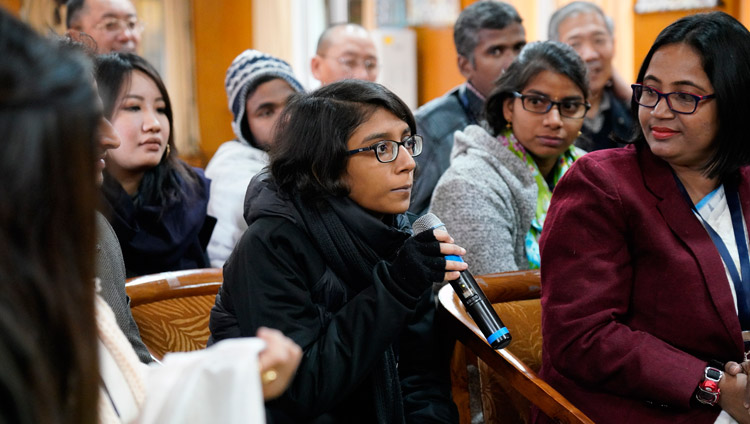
(677, 101)
(387, 150)
(537, 103)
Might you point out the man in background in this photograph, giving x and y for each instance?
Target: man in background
(584, 27)
(113, 24)
(488, 35)
(345, 51)
(258, 87)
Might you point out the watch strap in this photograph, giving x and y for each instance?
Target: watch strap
(708, 390)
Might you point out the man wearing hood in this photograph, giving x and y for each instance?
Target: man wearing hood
(258, 87)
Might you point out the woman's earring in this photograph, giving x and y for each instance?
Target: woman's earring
(580, 133)
(169, 148)
(509, 126)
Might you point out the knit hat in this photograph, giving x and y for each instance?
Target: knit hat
(243, 75)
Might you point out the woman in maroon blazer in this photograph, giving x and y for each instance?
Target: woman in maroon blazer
(639, 313)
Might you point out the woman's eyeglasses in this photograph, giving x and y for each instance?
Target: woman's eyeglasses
(537, 103)
(677, 101)
(387, 150)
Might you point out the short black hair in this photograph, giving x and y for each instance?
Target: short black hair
(73, 9)
(723, 44)
(535, 57)
(309, 154)
(481, 15)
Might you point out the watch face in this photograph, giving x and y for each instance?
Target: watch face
(713, 373)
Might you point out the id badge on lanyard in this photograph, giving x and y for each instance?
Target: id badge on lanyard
(741, 279)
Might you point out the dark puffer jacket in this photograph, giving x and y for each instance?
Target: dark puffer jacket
(277, 278)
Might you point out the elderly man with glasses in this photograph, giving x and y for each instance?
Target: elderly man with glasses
(585, 27)
(345, 51)
(113, 24)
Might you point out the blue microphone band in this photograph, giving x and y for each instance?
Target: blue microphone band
(471, 295)
(497, 334)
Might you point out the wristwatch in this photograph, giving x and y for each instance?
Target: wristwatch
(708, 391)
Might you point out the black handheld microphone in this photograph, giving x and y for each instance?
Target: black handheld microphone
(471, 295)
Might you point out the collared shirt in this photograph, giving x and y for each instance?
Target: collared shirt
(612, 120)
(595, 122)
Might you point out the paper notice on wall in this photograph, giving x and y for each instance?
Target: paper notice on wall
(649, 6)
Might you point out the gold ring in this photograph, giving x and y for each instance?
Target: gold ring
(269, 376)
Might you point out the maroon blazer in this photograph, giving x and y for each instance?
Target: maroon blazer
(635, 299)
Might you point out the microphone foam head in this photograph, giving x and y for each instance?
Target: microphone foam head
(427, 222)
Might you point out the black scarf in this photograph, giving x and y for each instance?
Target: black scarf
(352, 242)
(154, 238)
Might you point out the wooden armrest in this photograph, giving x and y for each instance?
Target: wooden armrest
(519, 375)
(508, 286)
(167, 285)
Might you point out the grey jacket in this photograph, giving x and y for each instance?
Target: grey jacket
(487, 199)
(110, 269)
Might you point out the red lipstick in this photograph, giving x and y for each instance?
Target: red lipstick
(662, 133)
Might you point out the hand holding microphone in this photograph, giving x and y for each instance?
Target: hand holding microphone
(421, 261)
(467, 289)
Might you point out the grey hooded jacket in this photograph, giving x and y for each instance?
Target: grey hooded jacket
(487, 199)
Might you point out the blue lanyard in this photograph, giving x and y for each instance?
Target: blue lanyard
(741, 284)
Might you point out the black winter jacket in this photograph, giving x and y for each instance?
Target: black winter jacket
(277, 278)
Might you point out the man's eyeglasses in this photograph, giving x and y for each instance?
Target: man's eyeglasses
(387, 150)
(537, 103)
(677, 101)
(350, 63)
(115, 25)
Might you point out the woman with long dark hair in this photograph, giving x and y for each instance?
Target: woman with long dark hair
(48, 119)
(645, 262)
(157, 202)
(328, 259)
